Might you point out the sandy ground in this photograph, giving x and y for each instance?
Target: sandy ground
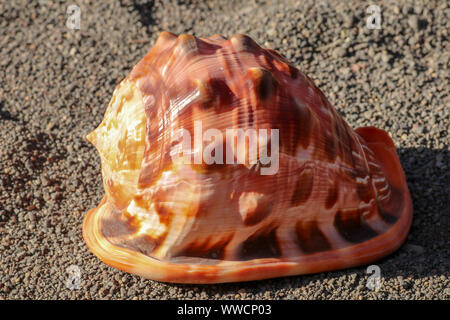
(55, 84)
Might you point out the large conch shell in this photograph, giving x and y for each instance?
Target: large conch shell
(332, 197)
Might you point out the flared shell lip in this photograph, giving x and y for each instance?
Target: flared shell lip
(240, 271)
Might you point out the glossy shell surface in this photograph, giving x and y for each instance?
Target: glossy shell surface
(338, 199)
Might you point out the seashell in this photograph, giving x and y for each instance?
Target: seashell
(328, 197)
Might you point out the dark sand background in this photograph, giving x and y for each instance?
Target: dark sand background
(55, 84)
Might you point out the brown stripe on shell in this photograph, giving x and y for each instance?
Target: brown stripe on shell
(205, 93)
(262, 87)
(343, 141)
(352, 146)
(310, 238)
(262, 82)
(163, 211)
(332, 196)
(226, 64)
(222, 168)
(303, 187)
(215, 93)
(351, 226)
(207, 249)
(330, 147)
(262, 244)
(304, 124)
(226, 97)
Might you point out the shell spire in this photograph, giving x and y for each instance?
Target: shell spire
(222, 162)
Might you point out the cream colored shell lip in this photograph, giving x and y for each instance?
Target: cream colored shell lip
(338, 199)
(119, 140)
